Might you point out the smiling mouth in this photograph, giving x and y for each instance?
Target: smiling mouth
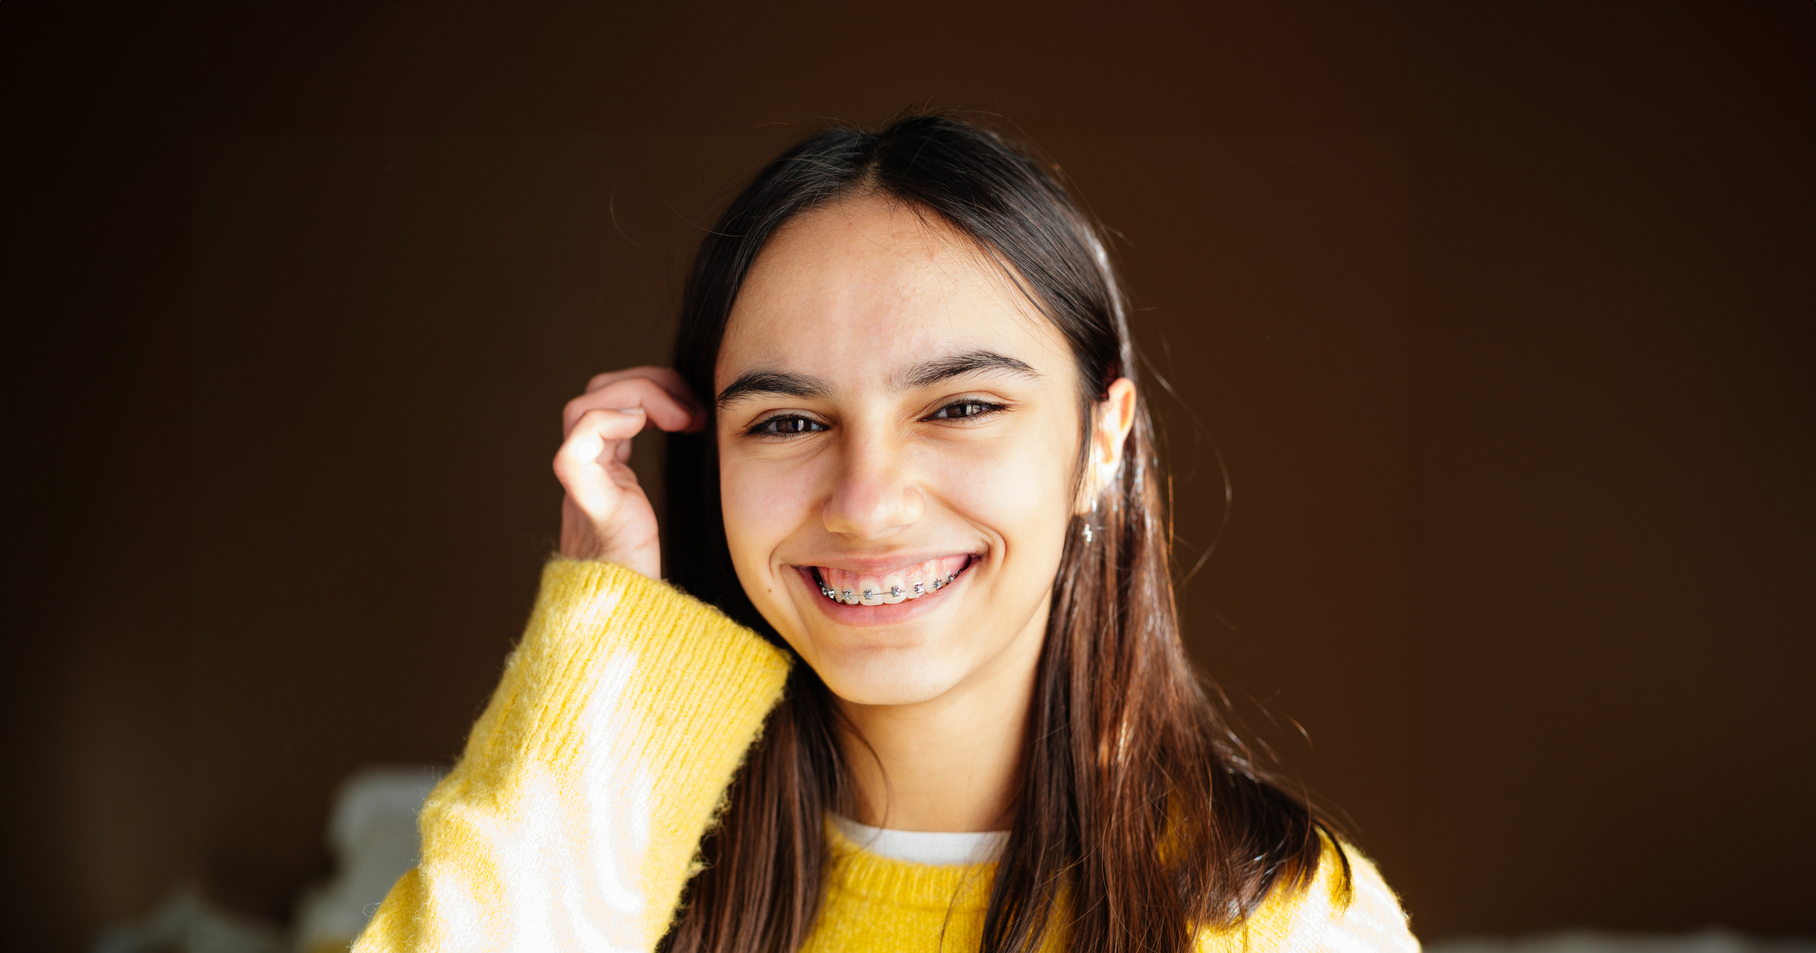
(891, 586)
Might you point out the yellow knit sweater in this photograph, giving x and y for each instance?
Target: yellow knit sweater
(572, 819)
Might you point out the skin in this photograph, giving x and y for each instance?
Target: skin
(886, 395)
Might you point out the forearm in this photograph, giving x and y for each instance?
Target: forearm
(572, 818)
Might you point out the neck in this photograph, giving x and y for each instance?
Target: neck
(950, 763)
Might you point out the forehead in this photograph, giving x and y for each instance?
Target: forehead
(860, 288)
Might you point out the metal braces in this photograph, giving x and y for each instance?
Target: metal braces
(920, 589)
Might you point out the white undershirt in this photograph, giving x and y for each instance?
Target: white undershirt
(924, 847)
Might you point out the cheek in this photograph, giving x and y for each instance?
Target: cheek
(1020, 489)
(763, 503)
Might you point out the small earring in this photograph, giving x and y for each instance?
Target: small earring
(1087, 531)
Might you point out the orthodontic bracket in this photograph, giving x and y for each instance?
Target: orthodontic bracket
(919, 588)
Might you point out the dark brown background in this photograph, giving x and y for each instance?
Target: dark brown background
(1501, 316)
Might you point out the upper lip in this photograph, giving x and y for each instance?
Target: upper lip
(875, 564)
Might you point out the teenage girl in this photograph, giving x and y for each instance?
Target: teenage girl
(905, 671)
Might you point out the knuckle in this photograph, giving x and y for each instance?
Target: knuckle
(619, 388)
(573, 452)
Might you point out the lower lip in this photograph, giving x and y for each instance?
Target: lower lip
(885, 614)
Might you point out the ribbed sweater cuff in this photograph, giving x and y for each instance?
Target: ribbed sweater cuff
(709, 675)
(592, 775)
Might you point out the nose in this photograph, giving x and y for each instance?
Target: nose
(873, 494)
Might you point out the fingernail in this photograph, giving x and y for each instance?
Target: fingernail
(629, 410)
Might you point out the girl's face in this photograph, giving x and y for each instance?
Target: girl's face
(897, 426)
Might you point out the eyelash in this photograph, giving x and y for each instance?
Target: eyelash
(984, 408)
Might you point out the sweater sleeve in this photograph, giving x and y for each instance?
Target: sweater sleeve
(572, 818)
(1325, 916)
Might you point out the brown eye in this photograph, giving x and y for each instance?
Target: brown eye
(787, 425)
(964, 408)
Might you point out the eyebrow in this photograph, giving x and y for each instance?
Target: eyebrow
(958, 365)
(778, 383)
(755, 383)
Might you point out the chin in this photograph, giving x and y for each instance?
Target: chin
(885, 678)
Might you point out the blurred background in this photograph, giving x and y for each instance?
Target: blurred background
(1501, 317)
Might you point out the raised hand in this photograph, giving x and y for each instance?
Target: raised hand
(605, 514)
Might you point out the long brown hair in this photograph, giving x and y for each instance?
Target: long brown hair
(1137, 801)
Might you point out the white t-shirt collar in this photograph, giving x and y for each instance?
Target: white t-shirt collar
(924, 847)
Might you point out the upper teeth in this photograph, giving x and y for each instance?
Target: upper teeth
(896, 592)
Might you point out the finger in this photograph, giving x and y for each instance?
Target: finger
(665, 377)
(577, 467)
(634, 393)
(610, 423)
(580, 463)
